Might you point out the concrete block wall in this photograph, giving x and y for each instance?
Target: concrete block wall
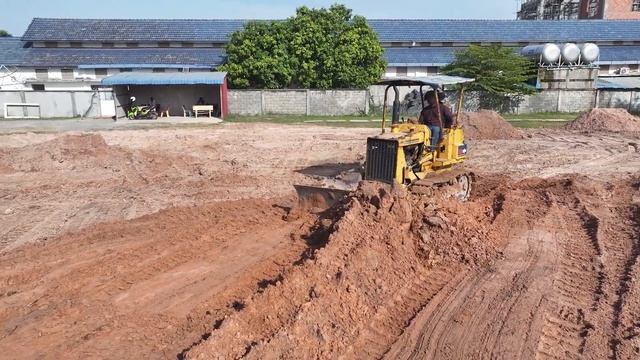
(338, 102)
(245, 102)
(54, 104)
(284, 102)
(298, 102)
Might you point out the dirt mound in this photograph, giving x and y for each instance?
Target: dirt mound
(488, 125)
(609, 120)
(72, 152)
(386, 254)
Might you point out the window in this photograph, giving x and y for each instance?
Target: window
(132, 44)
(37, 87)
(50, 44)
(396, 44)
(67, 74)
(158, 70)
(592, 8)
(164, 44)
(126, 70)
(76, 44)
(108, 45)
(401, 71)
(432, 70)
(187, 44)
(42, 74)
(636, 5)
(101, 72)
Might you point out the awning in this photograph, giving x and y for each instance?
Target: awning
(140, 78)
(434, 81)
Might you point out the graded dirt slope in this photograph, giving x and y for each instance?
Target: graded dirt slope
(488, 125)
(144, 288)
(609, 120)
(392, 256)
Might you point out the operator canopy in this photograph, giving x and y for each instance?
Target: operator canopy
(434, 81)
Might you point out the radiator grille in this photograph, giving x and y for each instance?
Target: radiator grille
(381, 160)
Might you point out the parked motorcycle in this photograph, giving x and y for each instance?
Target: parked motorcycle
(139, 112)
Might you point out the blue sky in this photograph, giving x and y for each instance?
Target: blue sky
(15, 15)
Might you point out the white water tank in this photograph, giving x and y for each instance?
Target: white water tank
(546, 54)
(570, 53)
(590, 52)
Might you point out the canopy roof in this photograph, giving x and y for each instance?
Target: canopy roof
(434, 81)
(138, 78)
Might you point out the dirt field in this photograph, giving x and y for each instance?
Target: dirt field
(182, 243)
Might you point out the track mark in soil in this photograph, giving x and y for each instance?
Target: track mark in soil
(626, 279)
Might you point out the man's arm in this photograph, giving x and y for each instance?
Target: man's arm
(447, 116)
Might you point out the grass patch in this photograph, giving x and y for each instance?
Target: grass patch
(541, 116)
(536, 124)
(336, 121)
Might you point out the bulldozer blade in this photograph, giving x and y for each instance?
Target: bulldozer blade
(318, 197)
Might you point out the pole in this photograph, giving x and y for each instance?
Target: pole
(460, 97)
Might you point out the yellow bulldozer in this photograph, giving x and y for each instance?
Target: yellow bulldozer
(403, 155)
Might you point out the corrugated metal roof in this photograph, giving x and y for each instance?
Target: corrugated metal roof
(11, 51)
(56, 57)
(137, 78)
(619, 55)
(507, 30)
(432, 56)
(47, 29)
(621, 82)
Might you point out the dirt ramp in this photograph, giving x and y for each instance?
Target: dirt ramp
(488, 125)
(387, 254)
(608, 120)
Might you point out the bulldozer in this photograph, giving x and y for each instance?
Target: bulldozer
(403, 155)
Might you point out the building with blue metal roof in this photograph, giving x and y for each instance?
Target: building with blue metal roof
(78, 53)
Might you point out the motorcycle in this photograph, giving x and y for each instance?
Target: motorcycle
(139, 112)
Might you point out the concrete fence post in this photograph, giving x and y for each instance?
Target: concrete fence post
(23, 99)
(367, 95)
(308, 105)
(74, 105)
(261, 102)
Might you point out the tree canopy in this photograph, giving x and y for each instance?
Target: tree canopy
(317, 48)
(4, 33)
(501, 74)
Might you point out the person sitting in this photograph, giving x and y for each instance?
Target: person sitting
(200, 101)
(436, 116)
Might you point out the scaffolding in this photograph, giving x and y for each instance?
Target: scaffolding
(549, 10)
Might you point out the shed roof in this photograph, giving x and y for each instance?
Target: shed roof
(619, 82)
(388, 30)
(137, 78)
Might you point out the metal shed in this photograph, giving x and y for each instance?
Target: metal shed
(172, 91)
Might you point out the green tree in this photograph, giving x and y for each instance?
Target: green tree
(501, 74)
(317, 48)
(4, 33)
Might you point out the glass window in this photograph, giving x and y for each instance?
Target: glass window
(101, 72)
(401, 71)
(67, 74)
(158, 70)
(636, 5)
(37, 87)
(42, 74)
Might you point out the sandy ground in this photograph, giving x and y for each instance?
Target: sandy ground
(168, 243)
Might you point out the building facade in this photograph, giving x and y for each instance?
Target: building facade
(579, 9)
(76, 54)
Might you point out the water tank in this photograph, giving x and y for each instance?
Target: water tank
(570, 53)
(590, 52)
(546, 54)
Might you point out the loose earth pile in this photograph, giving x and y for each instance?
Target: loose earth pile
(488, 125)
(607, 120)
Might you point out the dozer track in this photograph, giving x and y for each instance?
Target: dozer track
(449, 183)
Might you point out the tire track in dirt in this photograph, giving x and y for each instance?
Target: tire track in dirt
(478, 313)
(625, 286)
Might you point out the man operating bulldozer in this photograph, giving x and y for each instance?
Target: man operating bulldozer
(436, 116)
